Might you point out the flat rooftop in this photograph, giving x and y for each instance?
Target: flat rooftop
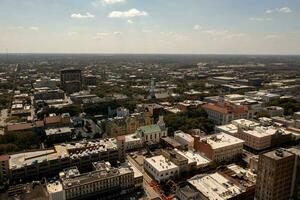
(194, 157)
(28, 158)
(57, 131)
(229, 128)
(72, 150)
(54, 187)
(215, 186)
(262, 131)
(245, 123)
(221, 140)
(81, 179)
(279, 154)
(160, 163)
(184, 136)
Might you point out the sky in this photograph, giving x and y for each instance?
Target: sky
(150, 26)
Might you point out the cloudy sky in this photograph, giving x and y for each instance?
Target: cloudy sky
(150, 26)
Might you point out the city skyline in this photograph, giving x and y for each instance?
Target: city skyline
(132, 26)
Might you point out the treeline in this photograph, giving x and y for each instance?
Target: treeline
(290, 105)
(102, 108)
(18, 141)
(194, 119)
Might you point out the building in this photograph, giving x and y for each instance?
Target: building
(186, 140)
(71, 80)
(89, 80)
(256, 136)
(152, 133)
(46, 82)
(45, 95)
(61, 134)
(34, 165)
(187, 192)
(232, 182)
(274, 111)
(219, 147)
(4, 169)
(219, 80)
(126, 125)
(56, 121)
(195, 159)
(224, 112)
(278, 175)
(55, 191)
(238, 99)
(160, 168)
(104, 181)
(181, 161)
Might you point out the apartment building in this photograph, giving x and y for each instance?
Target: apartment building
(46, 163)
(104, 181)
(224, 112)
(160, 168)
(219, 147)
(278, 175)
(255, 135)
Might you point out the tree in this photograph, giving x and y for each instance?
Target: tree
(194, 119)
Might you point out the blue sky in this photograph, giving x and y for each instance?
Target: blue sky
(150, 26)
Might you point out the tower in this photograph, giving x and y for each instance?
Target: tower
(276, 170)
(152, 89)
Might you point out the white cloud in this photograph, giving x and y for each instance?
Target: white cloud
(117, 33)
(82, 16)
(129, 21)
(106, 2)
(259, 19)
(34, 28)
(72, 33)
(219, 33)
(127, 14)
(285, 10)
(279, 10)
(272, 36)
(102, 35)
(197, 27)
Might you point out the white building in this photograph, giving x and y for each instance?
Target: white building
(132, 142)
(160, 168)
(274, 111)
(215, 187)
(186, 140)
(255, 136)
(195, 158)
(55, 191)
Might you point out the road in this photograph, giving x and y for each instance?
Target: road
(151, 193)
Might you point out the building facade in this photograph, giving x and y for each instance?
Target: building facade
(277, 175)
(71, 80)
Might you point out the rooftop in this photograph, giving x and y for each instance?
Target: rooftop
(221, 140)
(160, 163)
(278, 154)
(194, 157)
(71, 177)
(54, 187)
(72, 150)
(215, 186)
(54, 131)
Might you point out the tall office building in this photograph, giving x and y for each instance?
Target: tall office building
(71, 80)
(278, 174)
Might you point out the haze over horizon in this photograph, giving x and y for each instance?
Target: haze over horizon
(151, 27)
